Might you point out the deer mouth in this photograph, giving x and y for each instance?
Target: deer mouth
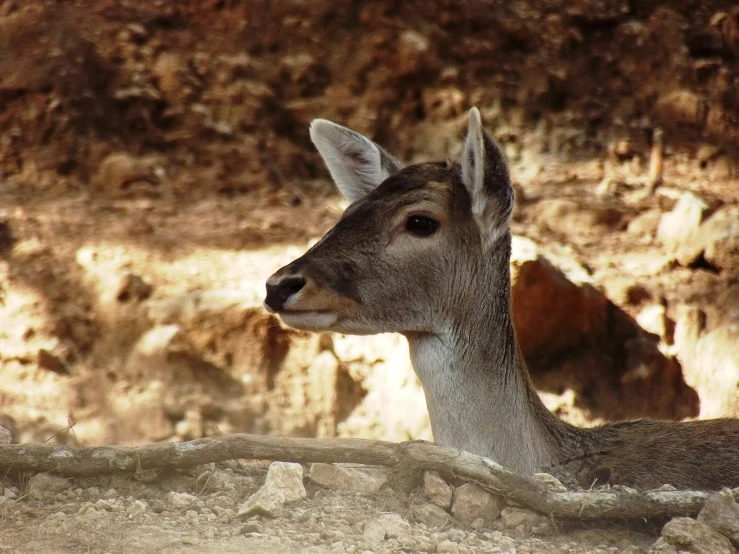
(305, 320)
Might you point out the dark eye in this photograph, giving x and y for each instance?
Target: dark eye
(421, 225)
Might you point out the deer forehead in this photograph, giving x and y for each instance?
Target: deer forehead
(431, 187)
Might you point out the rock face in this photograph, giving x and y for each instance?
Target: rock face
(551, 313)
(570, 332)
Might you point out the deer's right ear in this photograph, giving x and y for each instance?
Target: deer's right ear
(356, 164)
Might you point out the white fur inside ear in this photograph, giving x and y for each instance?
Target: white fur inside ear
(473, 176)
(357, 165)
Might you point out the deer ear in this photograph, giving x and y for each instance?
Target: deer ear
(356, 164)
(485, 175)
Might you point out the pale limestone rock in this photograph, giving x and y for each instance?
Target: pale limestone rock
(550, 482)
(447, 547)
(683, 221)
(284, 484)
(690, 536)
(267, 501)
(472, 502)
(5, 437)
(437, 490)
(44, 483)
(288, 478)
(524, 521)
(431, 515)
(721, 512)
(181, 499)
(137, 507)
(347, 476)
(386, 526)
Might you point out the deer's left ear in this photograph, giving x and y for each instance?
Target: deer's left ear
(485, 175)
(356, 164)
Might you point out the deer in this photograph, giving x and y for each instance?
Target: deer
(424, 251)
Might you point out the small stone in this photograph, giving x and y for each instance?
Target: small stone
(384, 527)
(44, 483)
(721, 512)
(137, 507)
(645, 224)
(250, 527)
(550, 482)
(507, 546)
(447, 547)
(267, 501)
(110, 493)
(689, 535)
(9, 493)
(415, 53)
(472, 502)
(524, 520)
(707, 152)
(181, 499)
(722, 168)
(347, 476)
(119, 170)
(221, 480)
(681, 107)
(654, 319)
(133, 287)
(437, 490)
(48, 360)
(719, 238)
(288, 478)
(431, 515)
(683, 221)
(5, 436)
(105, 504)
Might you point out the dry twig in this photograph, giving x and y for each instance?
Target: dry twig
(408, 456)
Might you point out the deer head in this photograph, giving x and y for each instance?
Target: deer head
(407, 252)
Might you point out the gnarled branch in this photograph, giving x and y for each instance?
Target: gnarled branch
(408, 456)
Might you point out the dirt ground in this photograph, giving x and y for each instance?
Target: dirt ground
(155, 168)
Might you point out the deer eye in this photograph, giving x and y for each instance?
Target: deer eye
(421, 225)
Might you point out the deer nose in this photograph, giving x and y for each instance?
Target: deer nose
(280, 292)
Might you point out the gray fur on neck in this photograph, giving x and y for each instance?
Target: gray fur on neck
(478, 391)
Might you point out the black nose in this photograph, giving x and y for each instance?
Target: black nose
(278, 294)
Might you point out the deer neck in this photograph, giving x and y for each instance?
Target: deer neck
(478, 391)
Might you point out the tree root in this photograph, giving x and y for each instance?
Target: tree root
(406, 457)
